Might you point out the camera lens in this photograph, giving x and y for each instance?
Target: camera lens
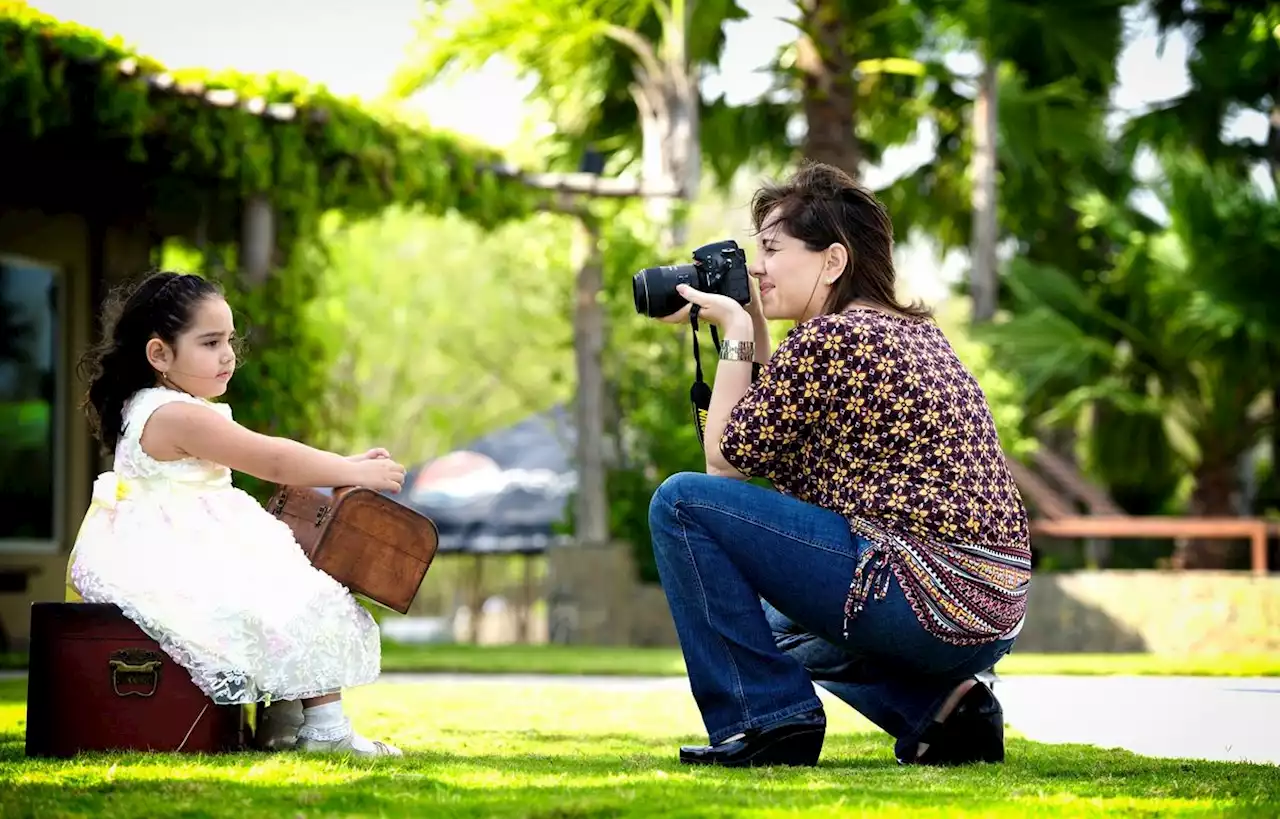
(654, 289)
(640, 293)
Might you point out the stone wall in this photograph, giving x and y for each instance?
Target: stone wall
(594, 599)
(1159, 612)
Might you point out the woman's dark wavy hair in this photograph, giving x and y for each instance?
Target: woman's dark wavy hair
(821, 205)
(160, 306)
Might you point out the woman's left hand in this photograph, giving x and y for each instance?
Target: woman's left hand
(716, 309)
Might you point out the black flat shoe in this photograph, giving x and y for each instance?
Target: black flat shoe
(973, 732)
(794, 741)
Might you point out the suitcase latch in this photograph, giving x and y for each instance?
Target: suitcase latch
(321, 513)
(137, 669)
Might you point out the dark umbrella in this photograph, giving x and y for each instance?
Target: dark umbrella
(503, 492)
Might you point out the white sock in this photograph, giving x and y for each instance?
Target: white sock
(327, 722)
(324, 721)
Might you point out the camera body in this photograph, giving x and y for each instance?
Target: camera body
(718, 267)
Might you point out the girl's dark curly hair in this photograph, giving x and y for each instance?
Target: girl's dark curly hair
(160, 306)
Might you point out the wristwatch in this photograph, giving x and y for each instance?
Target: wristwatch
(737, 350)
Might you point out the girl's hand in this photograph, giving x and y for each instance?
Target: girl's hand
(372, 454)
(719, 310)
(382, 474)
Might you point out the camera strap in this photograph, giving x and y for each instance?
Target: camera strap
(700, 392)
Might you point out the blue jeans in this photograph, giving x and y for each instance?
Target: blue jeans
(757, 582)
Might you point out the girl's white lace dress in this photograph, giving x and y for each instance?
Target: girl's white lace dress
(217, 581)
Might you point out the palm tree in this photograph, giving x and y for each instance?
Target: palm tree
(1030, 116)
(1147, 341)
(1234, 66)
(853, 73)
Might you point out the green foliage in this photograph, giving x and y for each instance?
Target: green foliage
(1233, 63)
(884, 40)
(1057, 68)
(438, 331)
(1171, 377)
(586, 58)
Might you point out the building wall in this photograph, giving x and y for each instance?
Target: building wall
(86, 260)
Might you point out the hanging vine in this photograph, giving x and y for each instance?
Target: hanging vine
(242, 134)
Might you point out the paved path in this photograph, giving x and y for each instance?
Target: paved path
(1233, 719)
(1230, 719)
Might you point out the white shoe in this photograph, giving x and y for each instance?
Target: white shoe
(343, 744)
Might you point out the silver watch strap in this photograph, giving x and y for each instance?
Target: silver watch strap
(737, 350)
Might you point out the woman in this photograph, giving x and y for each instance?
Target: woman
(894, 561)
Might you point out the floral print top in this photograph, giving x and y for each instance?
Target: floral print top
(873, 415)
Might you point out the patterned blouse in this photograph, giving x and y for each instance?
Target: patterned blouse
(872, 415)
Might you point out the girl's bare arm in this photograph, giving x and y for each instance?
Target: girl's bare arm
(182, 430)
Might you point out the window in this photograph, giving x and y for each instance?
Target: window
(30, 446)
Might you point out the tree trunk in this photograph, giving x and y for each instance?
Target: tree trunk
(257, 240)
(592, 510)
(828, 87)
(1216, 494)
(984, 284)
(671, 157)
(1273, 161)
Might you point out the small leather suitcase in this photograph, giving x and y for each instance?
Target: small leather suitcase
(97, 682)
(374, 546)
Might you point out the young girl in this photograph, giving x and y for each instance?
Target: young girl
(200, 566)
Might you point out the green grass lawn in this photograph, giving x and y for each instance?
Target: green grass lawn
(667, 662)
(572, 750)
(554, 659)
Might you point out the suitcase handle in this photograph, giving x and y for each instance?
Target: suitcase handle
(135, 668)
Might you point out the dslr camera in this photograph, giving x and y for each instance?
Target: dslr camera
(720, 267)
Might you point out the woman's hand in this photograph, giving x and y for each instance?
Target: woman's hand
(716, 309)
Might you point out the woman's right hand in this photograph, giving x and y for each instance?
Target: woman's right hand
(754, 307)
(382, 474)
